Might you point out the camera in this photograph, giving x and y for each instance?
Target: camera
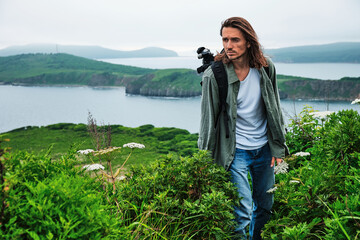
(207, 58)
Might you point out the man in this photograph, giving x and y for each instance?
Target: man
(256, 138)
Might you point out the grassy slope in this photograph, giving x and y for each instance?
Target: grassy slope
(171, 80)
(283, 86)
(30, 65)
(346, 88)
(65, 69)
(63, 136)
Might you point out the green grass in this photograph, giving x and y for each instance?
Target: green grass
(65, 69)
(180, 79)
(63, 136)
(30, 65)
(310, 88)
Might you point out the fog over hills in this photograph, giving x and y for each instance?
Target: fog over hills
(93, 52)
(342, 52)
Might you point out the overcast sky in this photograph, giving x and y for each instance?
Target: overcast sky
(180, 25)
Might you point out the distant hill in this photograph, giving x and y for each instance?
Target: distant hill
(346, 52)
(64, 69)
(93, 52)
(345, 89)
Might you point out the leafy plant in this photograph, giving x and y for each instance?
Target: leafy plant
(54, 200)
(190, 198)
(302, 130)
(318, 198)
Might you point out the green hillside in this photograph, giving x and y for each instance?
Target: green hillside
(65, 69)
(62, 136)
(15, 68)
(345, 89)
(168, 82)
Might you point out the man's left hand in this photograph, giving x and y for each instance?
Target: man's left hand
(278, 161)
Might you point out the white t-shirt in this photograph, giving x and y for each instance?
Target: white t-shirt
(251, 122)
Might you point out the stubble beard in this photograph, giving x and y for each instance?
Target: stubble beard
(244, 55)
(235, 58)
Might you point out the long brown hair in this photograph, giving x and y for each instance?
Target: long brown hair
(255, 54)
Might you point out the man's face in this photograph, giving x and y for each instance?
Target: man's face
(234, 43)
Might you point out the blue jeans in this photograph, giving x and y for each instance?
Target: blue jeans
(255, 207)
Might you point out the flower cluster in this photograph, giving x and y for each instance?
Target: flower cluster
(302, 154)
(356, 101)
(281, 168)
(95, 166)
(86, 151)
(106, 151)
(321, 115)
(121, 178)
(134, 145)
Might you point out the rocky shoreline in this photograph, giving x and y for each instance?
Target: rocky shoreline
(329, 90)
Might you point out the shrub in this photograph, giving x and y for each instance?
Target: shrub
(58, 126)
(48, 199)
(179, 198)
(175, 198)
(80, 127)
(339, 139)
(146, 130)
(164, 134)
(318, 198)
(61, 207)
(302, 130)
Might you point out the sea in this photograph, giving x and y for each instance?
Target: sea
(22, 106)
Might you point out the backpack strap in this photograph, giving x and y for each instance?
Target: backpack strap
(222, 82)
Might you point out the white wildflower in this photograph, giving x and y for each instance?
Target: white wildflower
(294, 181)
(106, 150)
(281, 168)
(321, 115)
(271, 190)
(134, 145)
(121, 178)
(356, 101)
(302, 154)
(92, 167)
(86, 151)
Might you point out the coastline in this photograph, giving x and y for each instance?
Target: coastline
(45, 105)
(57, 85)
(300, 98)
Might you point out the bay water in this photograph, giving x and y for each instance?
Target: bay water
(39, 106)
(323, 71)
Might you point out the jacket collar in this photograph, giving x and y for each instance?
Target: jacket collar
(232, 77)
(230, 71)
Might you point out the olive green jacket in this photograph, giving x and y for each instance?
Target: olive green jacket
(213, 138)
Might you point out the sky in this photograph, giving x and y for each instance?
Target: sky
(179, 25)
